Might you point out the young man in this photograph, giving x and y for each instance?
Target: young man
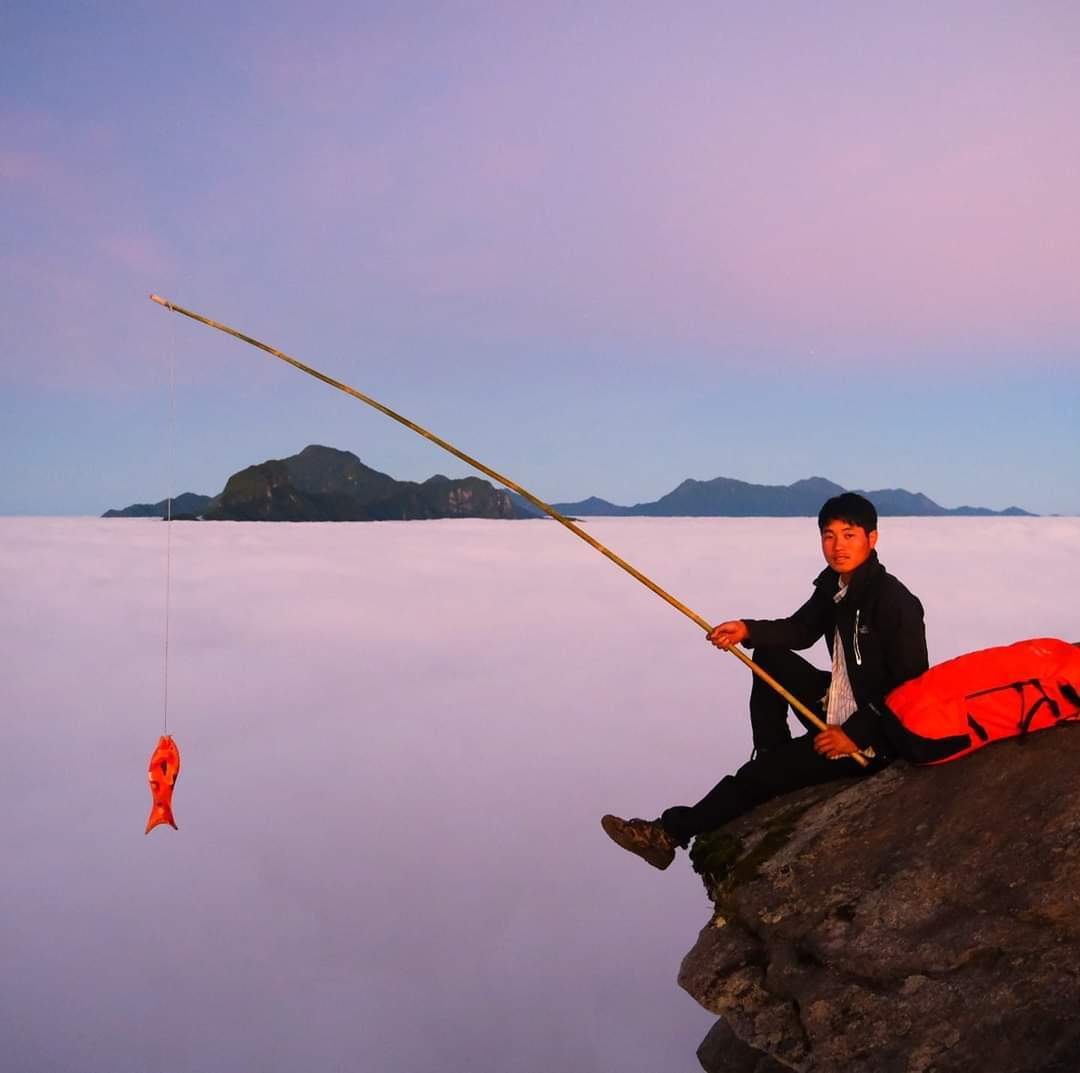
(874, 629)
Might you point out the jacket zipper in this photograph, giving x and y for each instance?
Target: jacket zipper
(855, 638)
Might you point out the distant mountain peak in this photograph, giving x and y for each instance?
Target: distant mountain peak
(730, 497)
(326, 484)
(822, 484)
(187, 503)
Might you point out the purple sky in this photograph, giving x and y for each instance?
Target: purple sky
(604, 248)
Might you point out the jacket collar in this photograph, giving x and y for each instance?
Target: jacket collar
(829, 579)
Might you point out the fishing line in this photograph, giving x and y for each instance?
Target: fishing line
(170, 446)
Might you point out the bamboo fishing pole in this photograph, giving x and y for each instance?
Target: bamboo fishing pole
(513, 486)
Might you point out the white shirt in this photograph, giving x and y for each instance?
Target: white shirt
(839, 700)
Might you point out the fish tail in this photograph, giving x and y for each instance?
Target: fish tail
(161, 814)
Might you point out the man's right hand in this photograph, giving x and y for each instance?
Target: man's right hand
(727, 634)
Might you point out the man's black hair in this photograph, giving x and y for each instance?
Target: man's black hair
(848, 507)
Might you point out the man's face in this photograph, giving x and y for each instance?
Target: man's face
(846, 547)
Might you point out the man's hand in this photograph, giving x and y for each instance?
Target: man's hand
(728, 633)
(834, 743)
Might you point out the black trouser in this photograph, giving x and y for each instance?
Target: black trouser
(769, 710)
(781, 763)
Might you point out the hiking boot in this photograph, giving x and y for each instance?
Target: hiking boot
(646, 838)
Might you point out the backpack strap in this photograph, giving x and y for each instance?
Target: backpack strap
(914, 747)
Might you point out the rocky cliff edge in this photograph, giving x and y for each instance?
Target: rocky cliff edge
(924, 920)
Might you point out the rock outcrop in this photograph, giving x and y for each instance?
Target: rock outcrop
(924, 920)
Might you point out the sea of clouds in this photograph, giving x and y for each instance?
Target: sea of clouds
(397, 740)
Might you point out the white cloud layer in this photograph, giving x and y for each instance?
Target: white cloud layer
(397, 742)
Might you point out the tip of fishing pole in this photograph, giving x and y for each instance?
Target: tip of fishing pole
(160, 301)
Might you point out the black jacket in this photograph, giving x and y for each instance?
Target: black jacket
(882, 630)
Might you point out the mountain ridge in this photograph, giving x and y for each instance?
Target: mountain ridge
(323, 484)
(326, 484)
(727, 497)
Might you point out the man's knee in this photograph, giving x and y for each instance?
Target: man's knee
(770, 657)
(767, 654)
(792, 671)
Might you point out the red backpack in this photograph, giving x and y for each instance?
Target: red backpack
(973, 700)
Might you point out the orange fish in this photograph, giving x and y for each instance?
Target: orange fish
(164, 769)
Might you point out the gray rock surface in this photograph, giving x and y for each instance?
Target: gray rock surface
(924, 920)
